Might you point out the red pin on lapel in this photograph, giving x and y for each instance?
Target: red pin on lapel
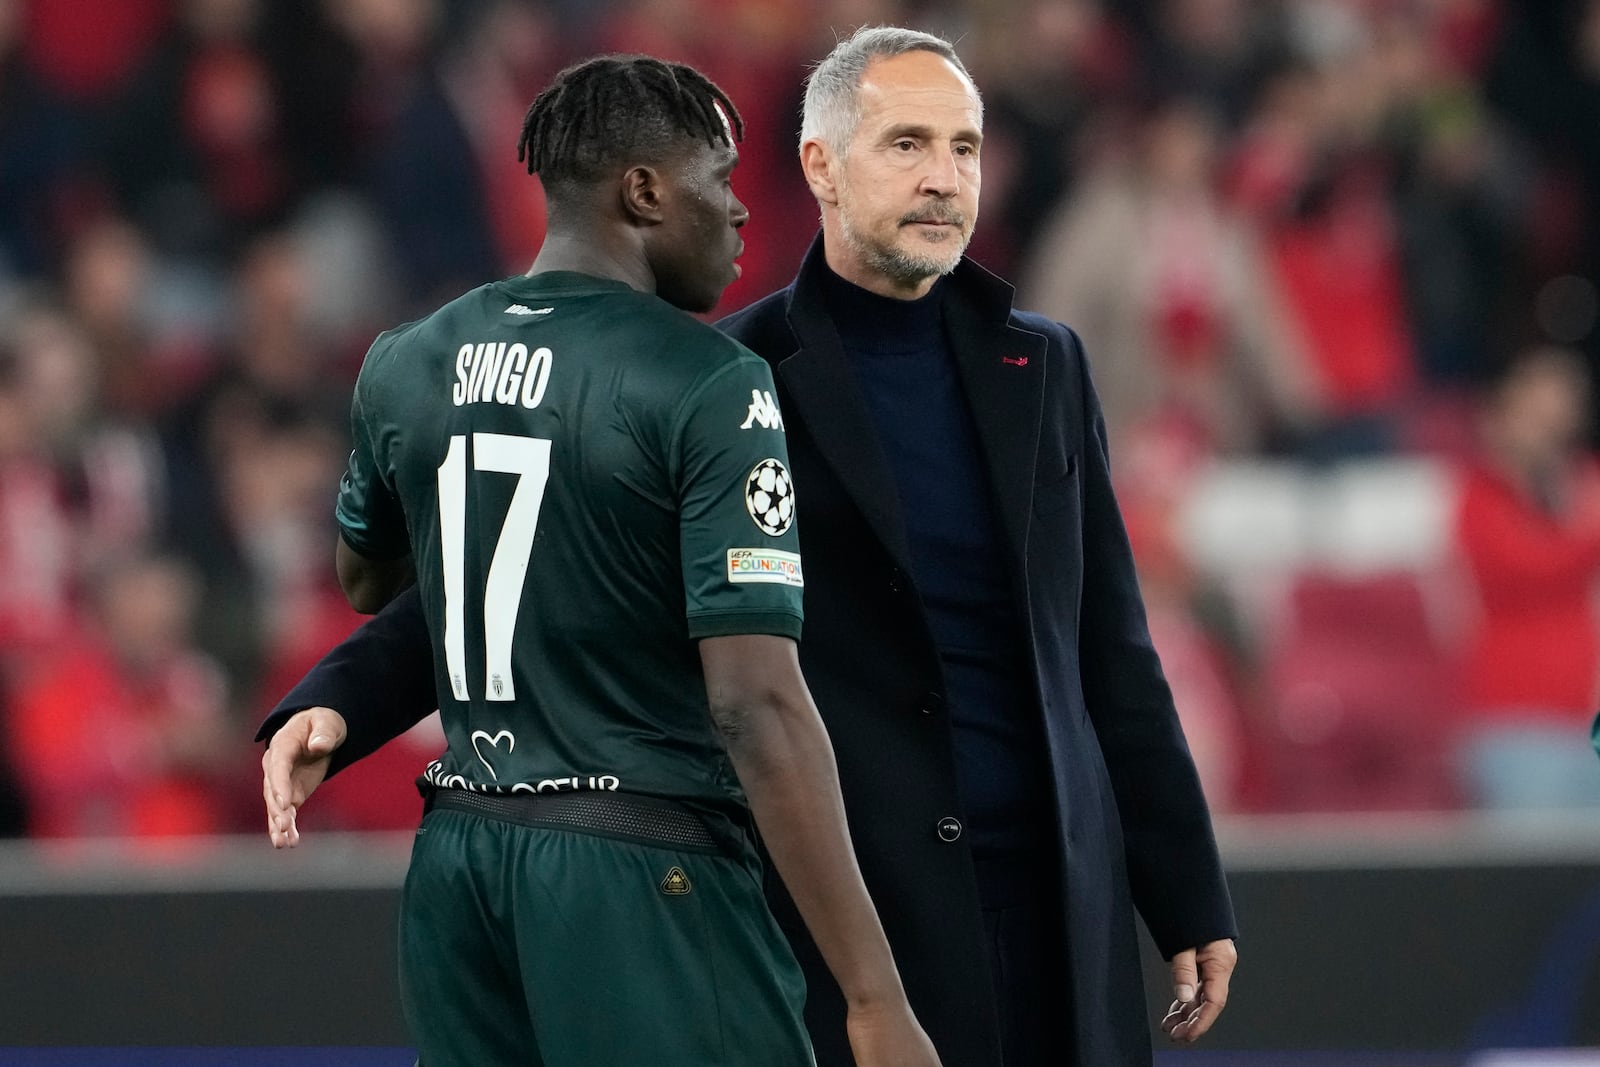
(1015, 361)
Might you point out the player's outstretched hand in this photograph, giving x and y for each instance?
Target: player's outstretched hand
(889, 1036)
(1200, 988)
(295, 763)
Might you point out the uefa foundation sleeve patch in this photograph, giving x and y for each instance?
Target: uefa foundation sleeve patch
(765, 565)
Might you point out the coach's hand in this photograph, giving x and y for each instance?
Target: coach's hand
(295, 763)
(1200, 988)
(889, 1036)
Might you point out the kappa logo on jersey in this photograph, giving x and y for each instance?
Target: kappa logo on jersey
(769, 497)
(764, 565)
(524, 309)
(676, 883)
(763, 412)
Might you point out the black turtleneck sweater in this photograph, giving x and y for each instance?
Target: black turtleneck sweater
(907, 371)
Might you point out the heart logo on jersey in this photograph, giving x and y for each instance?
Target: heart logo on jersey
(494, 744)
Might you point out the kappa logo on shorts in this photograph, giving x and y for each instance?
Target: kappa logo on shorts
(676, 883)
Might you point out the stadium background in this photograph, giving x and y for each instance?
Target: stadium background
(1302, 238)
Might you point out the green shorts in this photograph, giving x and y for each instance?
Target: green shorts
(538, 947)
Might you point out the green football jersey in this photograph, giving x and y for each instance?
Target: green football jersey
(588, 480)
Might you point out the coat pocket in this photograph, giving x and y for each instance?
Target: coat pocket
(1059, 492)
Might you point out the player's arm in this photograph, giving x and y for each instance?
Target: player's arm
(369, 584)
(373, 553)
(784, 760)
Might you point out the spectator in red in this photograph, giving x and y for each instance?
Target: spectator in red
(1314, 171)
(1529, 530)
(121, 731)
(1170, 292)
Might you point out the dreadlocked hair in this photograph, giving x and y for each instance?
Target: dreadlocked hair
(616, 109)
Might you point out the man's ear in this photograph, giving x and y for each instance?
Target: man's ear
(642, 195)
(817, 163)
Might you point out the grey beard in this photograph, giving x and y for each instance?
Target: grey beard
(901, 267)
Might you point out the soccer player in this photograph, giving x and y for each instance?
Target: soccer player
(591, 489)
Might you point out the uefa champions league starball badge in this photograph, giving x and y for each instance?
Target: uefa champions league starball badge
(769, 497)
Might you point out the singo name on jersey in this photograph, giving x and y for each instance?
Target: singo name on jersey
(501, 373)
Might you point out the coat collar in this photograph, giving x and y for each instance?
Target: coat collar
(1002, 371)
(822, 387)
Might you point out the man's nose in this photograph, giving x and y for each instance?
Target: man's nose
(943, 177)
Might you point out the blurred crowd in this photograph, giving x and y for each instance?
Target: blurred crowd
(1311, 233)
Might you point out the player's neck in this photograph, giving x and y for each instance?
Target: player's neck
(584, 255)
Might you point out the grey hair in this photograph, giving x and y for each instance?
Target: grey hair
(832, 106)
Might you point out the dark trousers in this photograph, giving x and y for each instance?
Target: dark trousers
(1027, 955)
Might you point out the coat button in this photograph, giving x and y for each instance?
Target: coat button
(897, 581)
(932, 703)
(949, 828)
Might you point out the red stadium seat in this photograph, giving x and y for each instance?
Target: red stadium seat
(1358, 692)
